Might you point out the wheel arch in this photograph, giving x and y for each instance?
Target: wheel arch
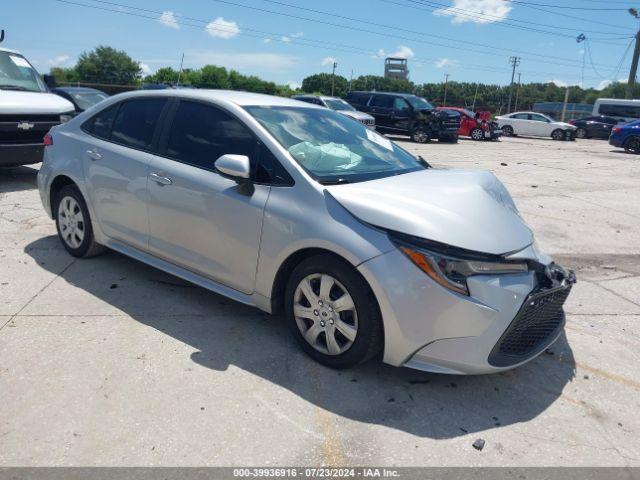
(58, 183)
(294, 259)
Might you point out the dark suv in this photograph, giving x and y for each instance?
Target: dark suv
(406, 114)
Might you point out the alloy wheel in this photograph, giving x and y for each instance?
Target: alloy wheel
(476, 134)
(325, 314)
(71, 221)
(581, 133)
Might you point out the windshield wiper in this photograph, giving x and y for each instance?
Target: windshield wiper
(15, 87)
(337, 181)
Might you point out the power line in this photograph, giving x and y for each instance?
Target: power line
(566, 7)
(258, 33)
(498, 21)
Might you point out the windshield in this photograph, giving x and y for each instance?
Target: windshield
(417, 102)
(88, 99)
(332, 147)
(469, 113)
(337, 104)
(18, 74)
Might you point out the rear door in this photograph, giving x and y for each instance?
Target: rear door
(381, 106)
(199, 219)
(401, 114)
(116, 163)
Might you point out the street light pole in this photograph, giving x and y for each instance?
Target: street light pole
(515, 107)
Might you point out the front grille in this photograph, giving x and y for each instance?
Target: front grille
(539, 318)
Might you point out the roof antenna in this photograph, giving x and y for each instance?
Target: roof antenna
(1, 36)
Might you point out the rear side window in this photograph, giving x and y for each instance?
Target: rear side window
(384, 101)
(136, 122)
(358, 98)
(200, 134)
(100, 125)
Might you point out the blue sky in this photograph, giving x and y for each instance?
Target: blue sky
(286, 40)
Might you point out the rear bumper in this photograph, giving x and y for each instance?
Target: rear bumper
(21, 154)
(616, 141)
(430, 328)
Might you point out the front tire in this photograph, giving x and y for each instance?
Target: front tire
(332, 312)
(557, 134)
(421, 135)
(74, 223)
(507, 131)
(476, 134)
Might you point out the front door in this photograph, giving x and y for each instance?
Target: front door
(381, 107)
(401, 114)
(198, 218)
(116, 164)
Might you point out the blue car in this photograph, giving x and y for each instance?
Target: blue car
(626, 136)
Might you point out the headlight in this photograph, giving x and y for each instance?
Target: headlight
(451, 272)
(65, 117)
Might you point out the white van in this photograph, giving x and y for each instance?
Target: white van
(27, 110)
(621, 110)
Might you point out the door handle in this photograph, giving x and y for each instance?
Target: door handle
(159, 179)
(93, 154)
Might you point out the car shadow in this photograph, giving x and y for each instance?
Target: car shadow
(16, 179)
(225, 333)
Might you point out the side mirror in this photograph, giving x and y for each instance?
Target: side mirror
(235, 166)
(50, 81)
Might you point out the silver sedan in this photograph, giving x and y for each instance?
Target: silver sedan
(293, 208)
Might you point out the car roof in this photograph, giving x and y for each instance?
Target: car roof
(387, 93)
(77, 90)
(9, 50)
(229, 96)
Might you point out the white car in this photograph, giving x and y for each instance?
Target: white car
(536, 125)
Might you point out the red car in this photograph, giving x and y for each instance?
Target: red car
(477, 125)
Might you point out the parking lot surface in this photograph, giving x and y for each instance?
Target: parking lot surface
(107, 361)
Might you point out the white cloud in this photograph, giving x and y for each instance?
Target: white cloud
(446, 62)
(328, 61)
(267, 40)
(251, 62)
(293, 85)
(476, 11)
(297, 35)
(168, 19)
(559, 83)
(285, 39)
(402, 52)
(58, 61)
(146, 69)
(222, 28)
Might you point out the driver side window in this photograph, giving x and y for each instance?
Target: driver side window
(400, 104)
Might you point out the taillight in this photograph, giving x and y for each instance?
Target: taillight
(617, 129)
(48, 140)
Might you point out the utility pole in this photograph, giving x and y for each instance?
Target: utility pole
(514, 61)
(180, 71)
(475, 95)
(515, 107)
(634, 63)
(446, 81)
(333, 77)
(564, 105)
(351, 79)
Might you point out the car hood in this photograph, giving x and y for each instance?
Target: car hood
(469, 209)
(356, 114)
(16, 102)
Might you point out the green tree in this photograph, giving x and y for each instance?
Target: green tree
(321, 83)
(108, 65)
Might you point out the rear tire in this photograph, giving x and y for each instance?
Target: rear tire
(332, 312)
(507, 131)
(74, 223)
(632, 145)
